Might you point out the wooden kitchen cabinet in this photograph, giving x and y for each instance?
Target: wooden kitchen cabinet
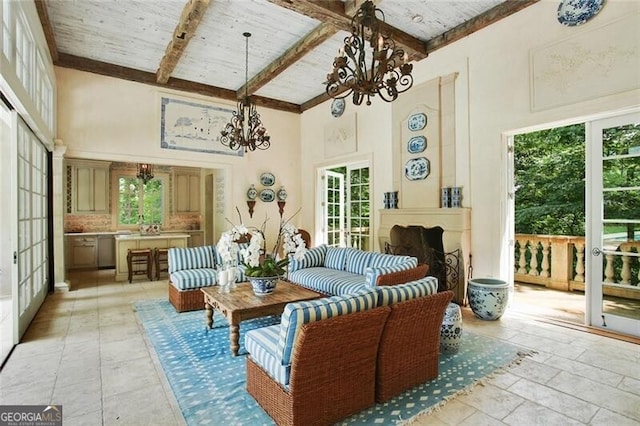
(186, 190)
(89, 186)
(197, 238)
(82, 252)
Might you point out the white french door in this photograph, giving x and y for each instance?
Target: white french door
(8, 317)
(613, 215)
(333, 224)
(29, 194)
(345, 199)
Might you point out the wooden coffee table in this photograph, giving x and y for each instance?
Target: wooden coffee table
(241, 304)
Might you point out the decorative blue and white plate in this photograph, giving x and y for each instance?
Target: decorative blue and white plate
(267, 195)
(337, 107)
(267, 179)
(417, 168)
(417, 122)
(576, 12)
(416, 144)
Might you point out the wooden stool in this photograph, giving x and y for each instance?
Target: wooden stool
(161, 257)
(137, 258)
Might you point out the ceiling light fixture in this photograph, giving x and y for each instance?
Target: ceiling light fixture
(234, 134)
(382, 71)
(145, 172)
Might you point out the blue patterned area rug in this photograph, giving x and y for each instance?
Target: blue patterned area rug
(209, 384)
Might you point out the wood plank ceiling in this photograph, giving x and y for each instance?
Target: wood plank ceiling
(198, 46)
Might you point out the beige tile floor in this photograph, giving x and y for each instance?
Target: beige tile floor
(85, 351)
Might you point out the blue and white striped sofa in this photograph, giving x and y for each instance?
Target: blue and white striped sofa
(344, 270)
(190, 269)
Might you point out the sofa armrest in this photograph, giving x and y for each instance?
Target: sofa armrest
(401, 277)
(371, 274)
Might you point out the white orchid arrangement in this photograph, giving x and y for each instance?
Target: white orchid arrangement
(258, 262)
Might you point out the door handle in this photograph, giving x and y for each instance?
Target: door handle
(596, 251)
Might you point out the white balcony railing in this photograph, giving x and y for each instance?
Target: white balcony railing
(558, 262)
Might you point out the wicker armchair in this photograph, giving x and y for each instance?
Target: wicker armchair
(410, 344)
(332, 371)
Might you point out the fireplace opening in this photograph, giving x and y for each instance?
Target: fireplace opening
(426, 244)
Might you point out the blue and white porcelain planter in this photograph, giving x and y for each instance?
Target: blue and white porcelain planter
(263, 285)
(451, 330)
(488, 297)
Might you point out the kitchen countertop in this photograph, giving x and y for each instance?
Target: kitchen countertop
(87, 234)
(116, 233)
(138, 236)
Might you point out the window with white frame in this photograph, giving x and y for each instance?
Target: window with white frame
(140, 202)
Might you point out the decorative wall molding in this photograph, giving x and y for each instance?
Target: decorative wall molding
(340, 136)
(593, 63)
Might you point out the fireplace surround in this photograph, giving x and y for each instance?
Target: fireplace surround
(456, 237)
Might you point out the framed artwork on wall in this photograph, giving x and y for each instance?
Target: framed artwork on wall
(192, 126)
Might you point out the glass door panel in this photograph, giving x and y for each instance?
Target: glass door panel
(614, 188)
(334, 209)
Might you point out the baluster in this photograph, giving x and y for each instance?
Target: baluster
(534, 259)
(522, 262)
(545, 259)
(625, 274)
(608, 270)
(579, 263)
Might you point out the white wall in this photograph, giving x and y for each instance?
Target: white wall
(492, 95)
(110, 119)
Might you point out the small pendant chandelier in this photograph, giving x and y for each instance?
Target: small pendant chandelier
(145, 172)
(383, 71)
(234, 134)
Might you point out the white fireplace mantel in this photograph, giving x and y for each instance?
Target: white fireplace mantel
(456, 223)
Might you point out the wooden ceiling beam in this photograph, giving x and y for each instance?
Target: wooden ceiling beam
(130, 74)
(49, 34)
(333, 12)
(189, 20)
(491, 16)
(317, 36)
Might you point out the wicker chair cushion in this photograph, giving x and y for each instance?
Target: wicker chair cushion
(262, 344)
(388, 295)
(298, 313)
(403, 263)
(189, 279)
(191, 258)
(327, 281)
(312, 258)
(356, 261)
(335, 258)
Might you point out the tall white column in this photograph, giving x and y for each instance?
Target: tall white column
(59, 176)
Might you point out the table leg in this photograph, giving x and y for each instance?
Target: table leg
(208, 314)
(234, 337)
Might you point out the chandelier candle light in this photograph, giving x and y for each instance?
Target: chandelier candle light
(145, 172)
(251, 135)
(383, 71)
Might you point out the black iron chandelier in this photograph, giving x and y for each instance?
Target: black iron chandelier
(145, 172)
(382, 71)
(234, 134)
